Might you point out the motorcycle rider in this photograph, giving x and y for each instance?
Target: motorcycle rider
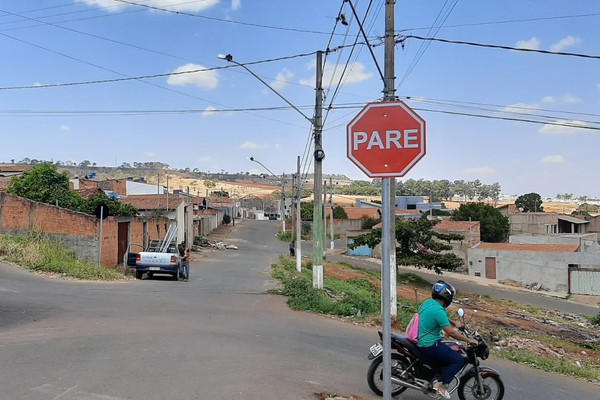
(434, 319)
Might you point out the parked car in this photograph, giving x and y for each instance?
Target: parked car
(153, 261)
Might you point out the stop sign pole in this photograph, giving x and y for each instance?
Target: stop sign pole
(385, 140)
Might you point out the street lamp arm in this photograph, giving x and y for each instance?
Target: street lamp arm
(229, 58)
(264, 166)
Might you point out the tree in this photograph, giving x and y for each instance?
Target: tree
(45, 184)
(531, 202)
(339, 213)
(115, 207)
(418, 244)
(495, 227)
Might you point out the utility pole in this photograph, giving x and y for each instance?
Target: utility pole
(318, 176)
(324, 218)
(331, 216)
(388, 232)
(283, 202)
(298, 217)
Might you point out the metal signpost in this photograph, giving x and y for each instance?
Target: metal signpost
(385, 140)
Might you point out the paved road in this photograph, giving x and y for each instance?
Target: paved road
(219, 336)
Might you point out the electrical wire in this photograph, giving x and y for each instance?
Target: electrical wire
(496, 46)
(442, 16)
(222, 19)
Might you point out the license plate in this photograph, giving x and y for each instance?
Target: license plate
(376, 349)
(154, 268)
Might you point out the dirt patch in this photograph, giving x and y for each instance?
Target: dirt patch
(543, 332)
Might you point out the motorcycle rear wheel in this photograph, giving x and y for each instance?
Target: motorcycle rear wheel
(468, 389)
(375, 374)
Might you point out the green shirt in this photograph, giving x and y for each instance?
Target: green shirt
(433, 319)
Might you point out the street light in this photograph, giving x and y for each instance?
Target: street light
(229, 58)
(319, 154)
(282, 205)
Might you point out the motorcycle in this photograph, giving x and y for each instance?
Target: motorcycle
(410, 370)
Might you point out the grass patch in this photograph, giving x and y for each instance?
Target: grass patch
(560, 366)
(352, 298)
(39, 253)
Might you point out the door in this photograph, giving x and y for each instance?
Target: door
(122, 240)
(490, 267)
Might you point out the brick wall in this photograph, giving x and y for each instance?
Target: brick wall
(77, 231)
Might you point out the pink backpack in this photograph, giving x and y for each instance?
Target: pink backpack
(412, 329)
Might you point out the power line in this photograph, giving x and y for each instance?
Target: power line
(403, 38)
(99, 81)
(222, 19)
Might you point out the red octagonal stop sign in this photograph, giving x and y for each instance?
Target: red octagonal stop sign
(386, 139)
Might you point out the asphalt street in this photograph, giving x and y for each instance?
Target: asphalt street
(222, 335)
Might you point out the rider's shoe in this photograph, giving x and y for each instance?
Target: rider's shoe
(441, 390)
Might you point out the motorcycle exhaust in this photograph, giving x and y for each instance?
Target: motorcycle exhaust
(406, 384)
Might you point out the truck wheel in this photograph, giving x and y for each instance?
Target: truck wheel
(138, 274)
(176, 276)
(150, 274)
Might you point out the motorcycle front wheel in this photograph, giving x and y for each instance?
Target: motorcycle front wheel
(493, 388)
(375, 374)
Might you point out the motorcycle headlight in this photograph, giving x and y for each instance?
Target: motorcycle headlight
(482, 351)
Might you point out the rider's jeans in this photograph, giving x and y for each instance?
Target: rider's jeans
(448, 361)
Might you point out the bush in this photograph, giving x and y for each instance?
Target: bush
(226, 219)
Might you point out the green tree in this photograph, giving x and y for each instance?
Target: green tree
(45, 184)
(339, 212)
(495, 227)
(530, 202)
(418, 244)
(306, 210)
(115, 207)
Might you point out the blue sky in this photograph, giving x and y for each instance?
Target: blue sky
(216, 119)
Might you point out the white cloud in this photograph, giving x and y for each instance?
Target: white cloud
(354, 74)
(282, 79)
(572, 129)
(37, 84)
(236, 4)
(65, 128)
(205, 159)
(549, 100)
(533, 44)
(175, 5)
(201, 78)
(150, 154)
(248, 145)
(209, 111)
(598, 87)
(554, 159)
(278, 146)
(564, 43)
(570, 99)
(521, 108)
(479, 171)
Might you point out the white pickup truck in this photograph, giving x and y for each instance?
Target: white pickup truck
(156, 262)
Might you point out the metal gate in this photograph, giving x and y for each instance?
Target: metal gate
(584, 281)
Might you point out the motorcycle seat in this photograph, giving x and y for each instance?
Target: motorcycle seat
(413, 348)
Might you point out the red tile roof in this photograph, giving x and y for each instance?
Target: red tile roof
(152, 201)
(547, 248)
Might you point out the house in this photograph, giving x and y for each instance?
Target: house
(545, 223)
(121, 187)
(561, 264)
(172, 207)
(469, 230)
(7, 172)
(405, 203)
